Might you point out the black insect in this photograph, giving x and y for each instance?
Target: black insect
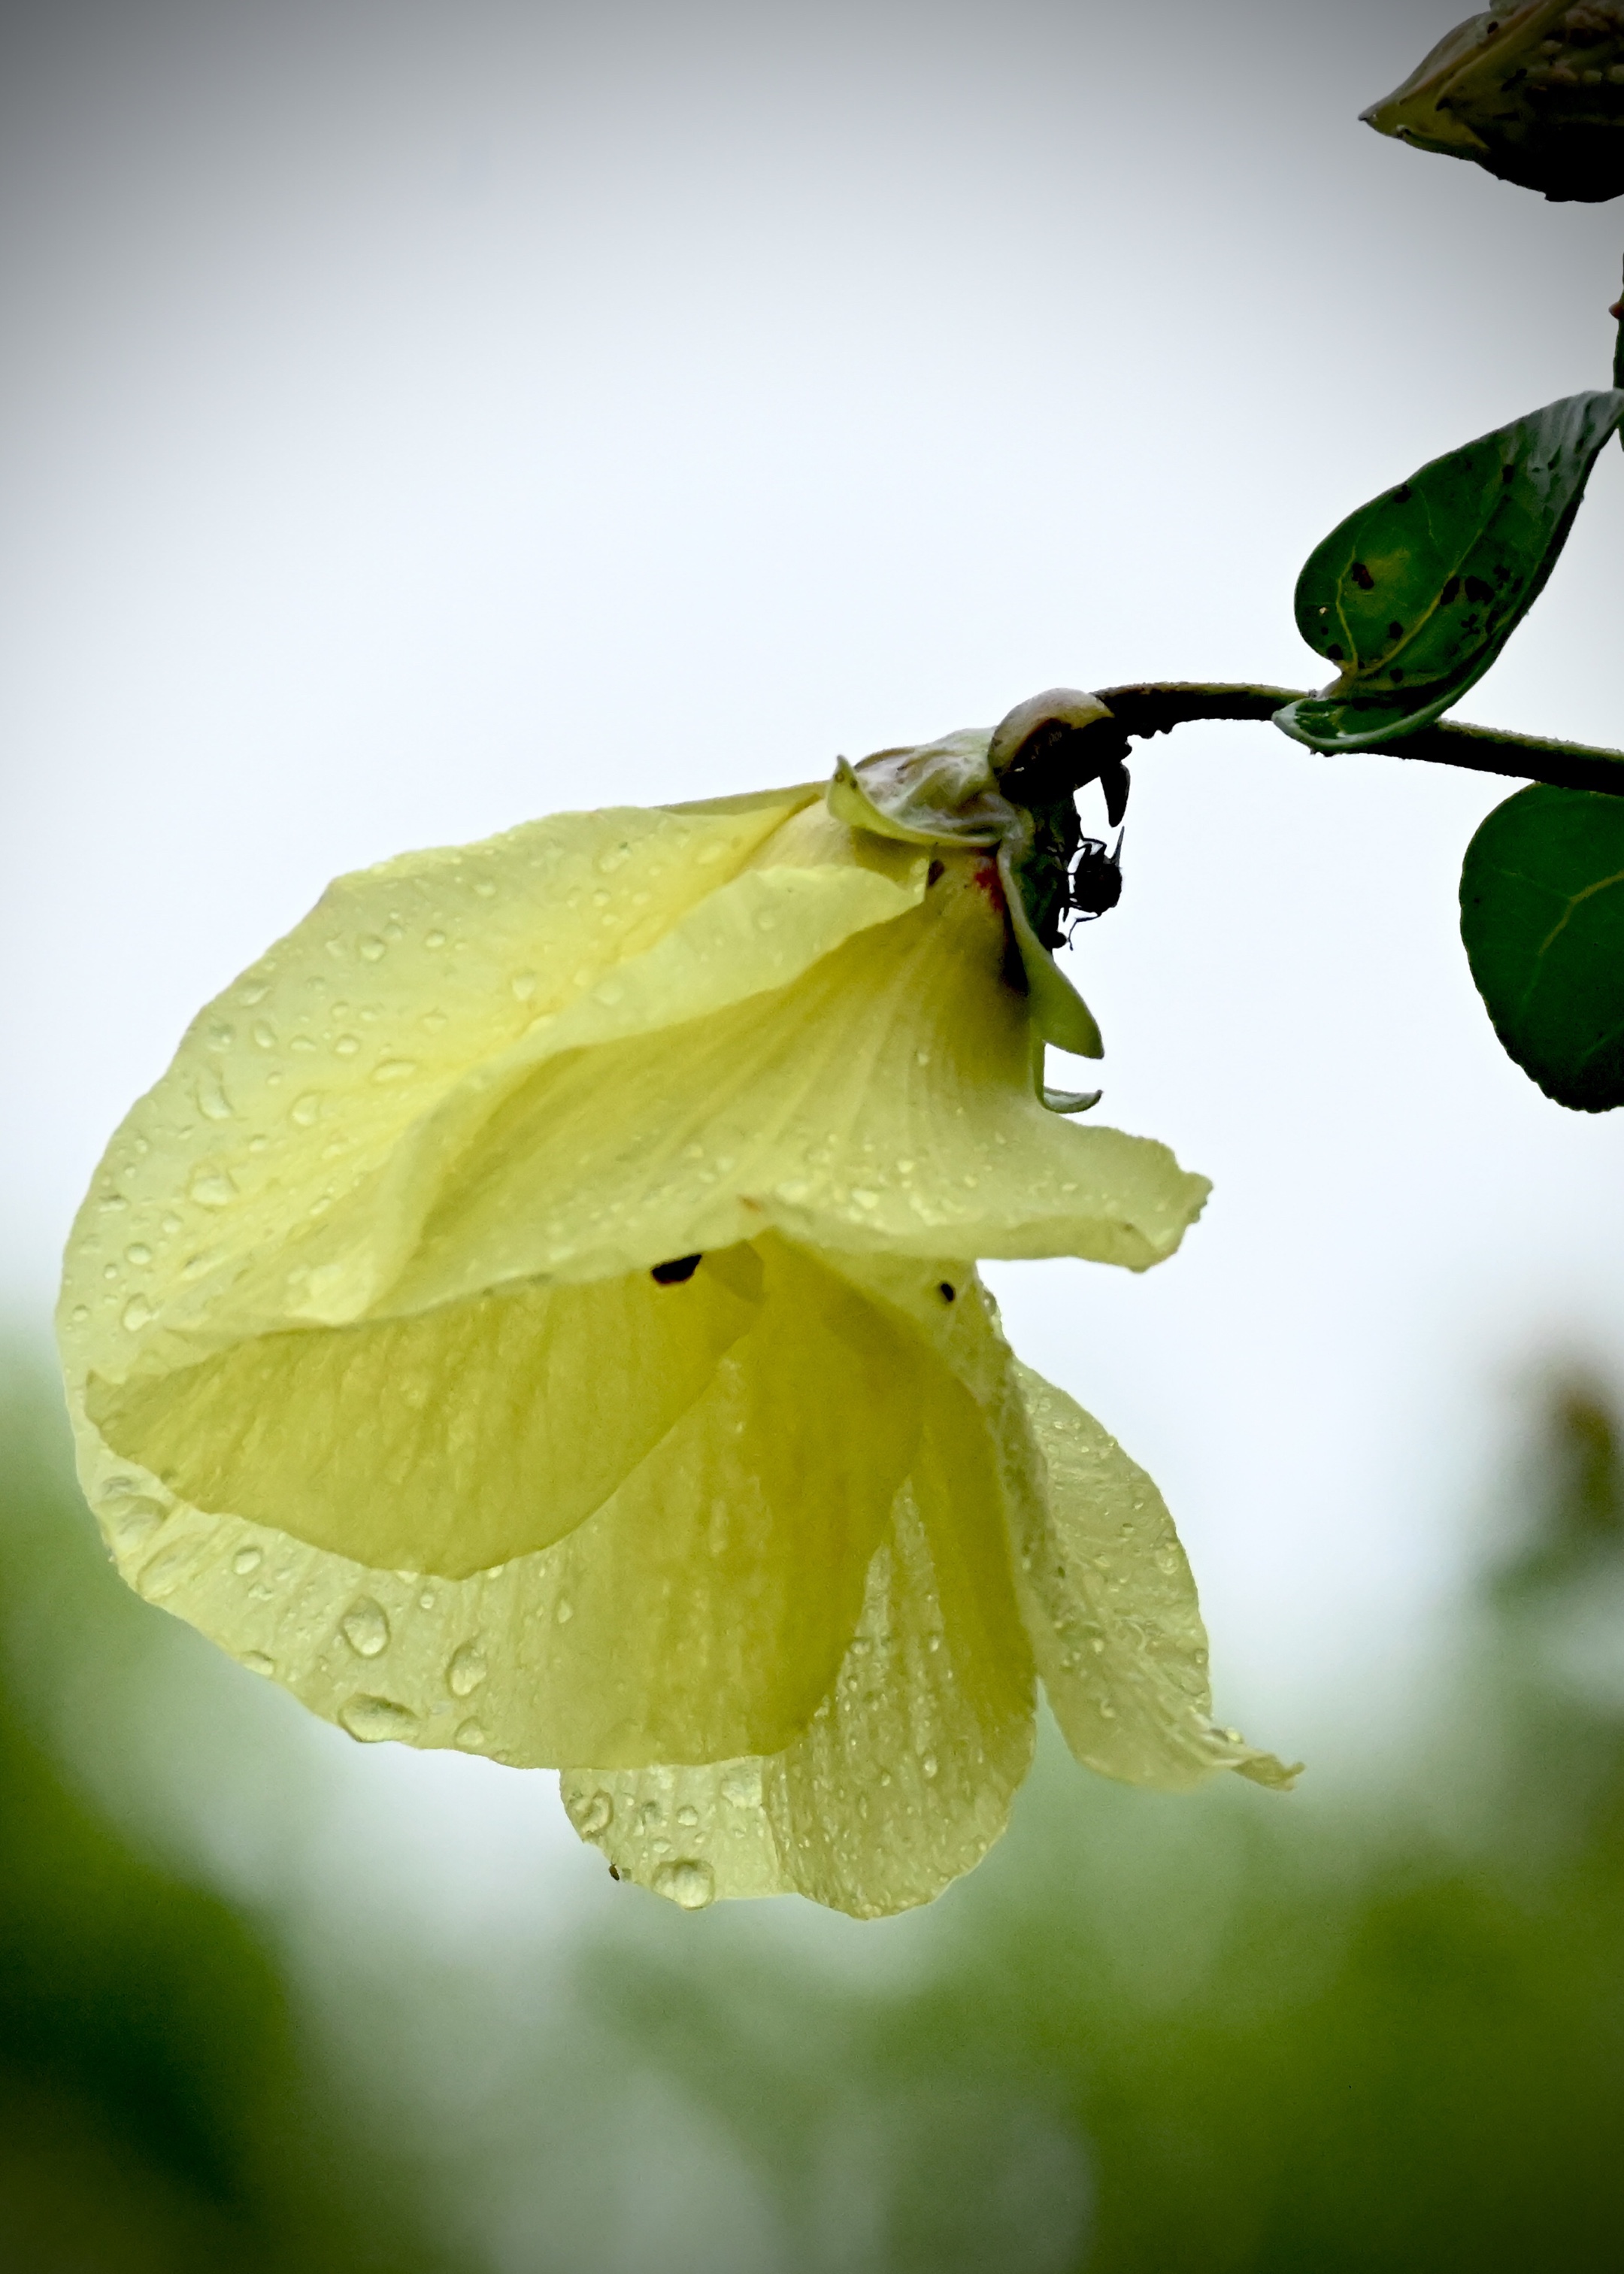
(1094, 881)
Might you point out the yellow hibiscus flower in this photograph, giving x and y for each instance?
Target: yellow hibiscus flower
(536, 1314)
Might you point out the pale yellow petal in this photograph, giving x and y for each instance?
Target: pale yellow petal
(1111, 1607)
(442, 1442)
(882, 1101)
(904, 1776)
(695, 1834)
(293, 1088)
(699, 1614)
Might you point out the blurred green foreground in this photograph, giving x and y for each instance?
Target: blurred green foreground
(1232, 2033)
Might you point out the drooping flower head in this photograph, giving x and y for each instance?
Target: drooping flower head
(536, 1314)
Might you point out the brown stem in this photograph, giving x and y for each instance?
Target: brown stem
(1152, 707)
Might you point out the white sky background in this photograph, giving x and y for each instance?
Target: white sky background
(424, 416)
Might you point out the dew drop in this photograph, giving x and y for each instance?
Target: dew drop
(134, 1521)
(213, 1103)
(688, 1818)
(435, 938)
(565, 1612)
(929, 1765)
(595, 1816)
(245, 1561)
(221, 1036)
(366, 1628)
(466, 1671)
(257, 1663)
(212, 1188)
(264, 1035)
(347, 1046)
(137, 1252)
(137, 1313)
(687, 1882)
(372, 950)
(394, 1069)
(373, 1720)
(471, 1736)
(304, 1109)
(524, 985)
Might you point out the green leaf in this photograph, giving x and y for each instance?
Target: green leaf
(1415, 594)
(1542, 915)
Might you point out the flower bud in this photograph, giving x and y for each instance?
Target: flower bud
(1533, 91)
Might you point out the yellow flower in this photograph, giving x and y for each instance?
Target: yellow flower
(536, 1314)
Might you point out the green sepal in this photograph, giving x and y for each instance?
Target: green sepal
(1542, 916)
(1059, 1015)
(1415, 594)
(945, 794)
(938, 793)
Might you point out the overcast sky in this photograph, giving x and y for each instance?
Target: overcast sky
(424, 416)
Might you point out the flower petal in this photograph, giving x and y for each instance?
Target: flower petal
(1110, 1605)
(442, 1442)
(882, 1101)
(292, 1090)
(904, 1776)
(700, 1612)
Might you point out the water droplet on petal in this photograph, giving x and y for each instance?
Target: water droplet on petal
(304, 1109)
(373, 1720)
(471, 1736)
(245, 1561)
(137, 1252)
(687, 1882)
(366, 1628)
(212, 1188)
(466, 1671)
(595, 1816)
(370, 950)
(257, 1663)
(688, 1818)
(135, 1520)
(929, 1765)
(394, 1069)
(565, 1612)
(137, 1313)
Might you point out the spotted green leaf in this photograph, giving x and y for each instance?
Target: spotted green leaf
(1542, 915)
(1415, 595)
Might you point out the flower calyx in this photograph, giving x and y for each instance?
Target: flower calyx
(1531, 90)
(1009, 791)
